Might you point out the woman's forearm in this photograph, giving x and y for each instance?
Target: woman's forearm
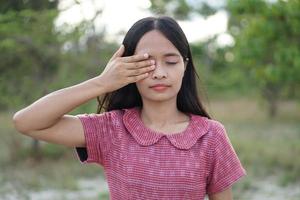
(44, 112)
(48, 110)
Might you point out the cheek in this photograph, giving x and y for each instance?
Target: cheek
(178, 75)
(179, 69)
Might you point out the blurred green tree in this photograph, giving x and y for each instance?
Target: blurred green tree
(267, 45)
(29, 49)
(37, 57)
(182, 9)
(29, 55)
(19, 5)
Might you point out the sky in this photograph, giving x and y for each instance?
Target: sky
(120, 15)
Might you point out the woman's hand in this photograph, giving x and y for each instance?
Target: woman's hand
(121, 71)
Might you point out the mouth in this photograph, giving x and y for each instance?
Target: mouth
(160, 87)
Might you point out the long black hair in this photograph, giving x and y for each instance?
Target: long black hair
(188, 100)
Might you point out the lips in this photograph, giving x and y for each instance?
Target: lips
(159, 87)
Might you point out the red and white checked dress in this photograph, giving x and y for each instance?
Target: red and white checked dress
(140, 163)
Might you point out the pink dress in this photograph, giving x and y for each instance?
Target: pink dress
(140, 163)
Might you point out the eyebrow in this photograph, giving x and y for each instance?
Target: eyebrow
(167, 54)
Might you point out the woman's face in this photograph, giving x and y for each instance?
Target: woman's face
(169, 68)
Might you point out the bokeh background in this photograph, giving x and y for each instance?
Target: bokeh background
(247, 54)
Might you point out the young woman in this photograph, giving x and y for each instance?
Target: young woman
(154, 140)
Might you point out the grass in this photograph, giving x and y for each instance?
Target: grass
(266, 148)
(56, 168)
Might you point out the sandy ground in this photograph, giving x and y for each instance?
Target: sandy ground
(91, 189)
(88, 189)
(269, 190)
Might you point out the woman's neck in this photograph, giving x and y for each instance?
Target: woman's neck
(162, 114)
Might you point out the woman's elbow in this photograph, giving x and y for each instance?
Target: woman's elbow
(18, 123)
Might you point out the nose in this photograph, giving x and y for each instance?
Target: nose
(159, 72)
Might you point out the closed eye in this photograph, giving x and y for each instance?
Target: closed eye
(171, 63)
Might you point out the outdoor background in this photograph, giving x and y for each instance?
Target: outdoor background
(247, 54)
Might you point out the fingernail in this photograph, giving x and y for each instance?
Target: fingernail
(146, 55)
(152, 61)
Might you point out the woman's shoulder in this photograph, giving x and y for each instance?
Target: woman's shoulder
(214, 126)
(213, 123)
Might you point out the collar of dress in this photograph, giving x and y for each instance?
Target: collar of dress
(197, 127)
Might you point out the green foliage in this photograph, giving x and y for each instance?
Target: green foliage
(181, 9)
(53, 151)
(214, 66)
(36, 58)
(18, 5)
(267, 44)
(29, 55)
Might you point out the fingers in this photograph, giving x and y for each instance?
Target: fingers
(138, 68)
(135, 67)
(140, 71)
(140, 64)
(135, 58)
(138, 78)
(119, 52)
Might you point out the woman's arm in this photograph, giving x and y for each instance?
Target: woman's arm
(46, 118)
(224, 195)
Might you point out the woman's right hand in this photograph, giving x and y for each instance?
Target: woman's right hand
(120, 71)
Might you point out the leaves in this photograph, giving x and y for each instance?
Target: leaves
(268, 42)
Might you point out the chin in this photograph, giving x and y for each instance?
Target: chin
(159, 97)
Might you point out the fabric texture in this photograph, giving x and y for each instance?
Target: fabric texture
(140, 163)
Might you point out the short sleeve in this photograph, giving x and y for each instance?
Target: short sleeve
(225, 168)
(99, 137)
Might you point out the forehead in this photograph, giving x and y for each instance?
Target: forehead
(156, 44)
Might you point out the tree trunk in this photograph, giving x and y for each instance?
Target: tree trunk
(36, 150)
(271, 94)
